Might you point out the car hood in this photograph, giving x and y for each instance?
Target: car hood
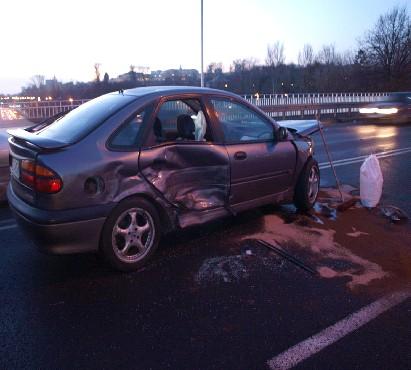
(301, 127)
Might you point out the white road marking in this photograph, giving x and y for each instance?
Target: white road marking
(7, 224)
(8, 227)
(332, 334)
(7, 221)
(347, 161)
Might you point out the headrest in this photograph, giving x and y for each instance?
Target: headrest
(157, 128)
(185, 126)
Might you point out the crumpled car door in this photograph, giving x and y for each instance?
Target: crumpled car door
(191, 176)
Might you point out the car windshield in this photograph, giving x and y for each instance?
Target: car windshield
(84, 119)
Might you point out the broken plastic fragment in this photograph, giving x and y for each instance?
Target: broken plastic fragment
(395, 214)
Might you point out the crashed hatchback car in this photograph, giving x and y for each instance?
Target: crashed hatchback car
(121, 170)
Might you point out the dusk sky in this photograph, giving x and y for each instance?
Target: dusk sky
(65, 39)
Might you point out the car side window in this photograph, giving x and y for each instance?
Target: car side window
(126, 137)
(180, 120)
(240, 123)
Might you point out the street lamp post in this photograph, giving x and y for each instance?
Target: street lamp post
(202, 55)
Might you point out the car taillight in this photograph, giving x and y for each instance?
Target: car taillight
(39, 178)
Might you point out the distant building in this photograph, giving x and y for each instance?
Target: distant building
(129, 76)
(158, 75)
(182, 74)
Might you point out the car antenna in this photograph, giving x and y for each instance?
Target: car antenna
(121, 91)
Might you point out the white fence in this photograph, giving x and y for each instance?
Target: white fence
(276, 105)
(312, 98)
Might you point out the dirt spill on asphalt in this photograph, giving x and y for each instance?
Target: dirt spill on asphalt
(321, 245)
(356, 244)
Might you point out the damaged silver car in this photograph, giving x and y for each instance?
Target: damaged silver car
(120, 171)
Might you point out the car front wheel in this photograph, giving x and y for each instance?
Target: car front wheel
(308, 185)
(131, 234)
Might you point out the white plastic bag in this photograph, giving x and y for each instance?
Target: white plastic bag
(371, 181)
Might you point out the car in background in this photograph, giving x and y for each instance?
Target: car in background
(121, 170)
(394, 108)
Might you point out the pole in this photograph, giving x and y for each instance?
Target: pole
(202, 53)
(329, 156)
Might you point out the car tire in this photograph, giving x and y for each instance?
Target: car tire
(308, 185)
(131, 234)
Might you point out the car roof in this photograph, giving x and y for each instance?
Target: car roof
(171, 90)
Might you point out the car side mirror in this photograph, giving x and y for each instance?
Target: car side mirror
(282, 134)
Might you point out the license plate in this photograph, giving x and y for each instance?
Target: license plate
(15, 168)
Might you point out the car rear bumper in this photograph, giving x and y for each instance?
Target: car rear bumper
(63, 237)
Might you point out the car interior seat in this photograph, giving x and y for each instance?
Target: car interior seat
(185, 127)
(158, 130)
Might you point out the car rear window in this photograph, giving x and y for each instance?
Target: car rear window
(84, 119)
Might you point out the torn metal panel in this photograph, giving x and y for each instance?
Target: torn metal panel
(301, 127)
(190, 176)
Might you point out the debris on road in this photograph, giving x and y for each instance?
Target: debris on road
(321, 249)
(347, 204)
(356, 245)
(332, 195)
(287, 256)
(325, 210)
(225, 269)
(355, 233)
(394, 214)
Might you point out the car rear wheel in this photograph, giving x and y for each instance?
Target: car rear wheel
(131, 234)
(308, 185)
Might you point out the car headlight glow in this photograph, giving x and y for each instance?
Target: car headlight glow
(387, 110)
(368, 110)
(378, 110)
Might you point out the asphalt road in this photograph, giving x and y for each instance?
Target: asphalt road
(347, 140)
(74, 312)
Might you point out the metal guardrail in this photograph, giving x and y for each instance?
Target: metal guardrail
(44, 109)
(276, 105)
(313, 98)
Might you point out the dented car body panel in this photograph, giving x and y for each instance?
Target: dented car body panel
(149, 148)
(192, 177)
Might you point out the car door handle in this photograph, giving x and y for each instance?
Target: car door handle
(240, 156)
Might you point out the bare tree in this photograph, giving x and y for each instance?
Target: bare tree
(275, 54)
(106, 78)
(215, 68)
(38, 80)
(306, 56)
(328, 55)
(97, 71)
(347, 57)
(132, 73)
(274, 60)
(241, 65)
(388, 44)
